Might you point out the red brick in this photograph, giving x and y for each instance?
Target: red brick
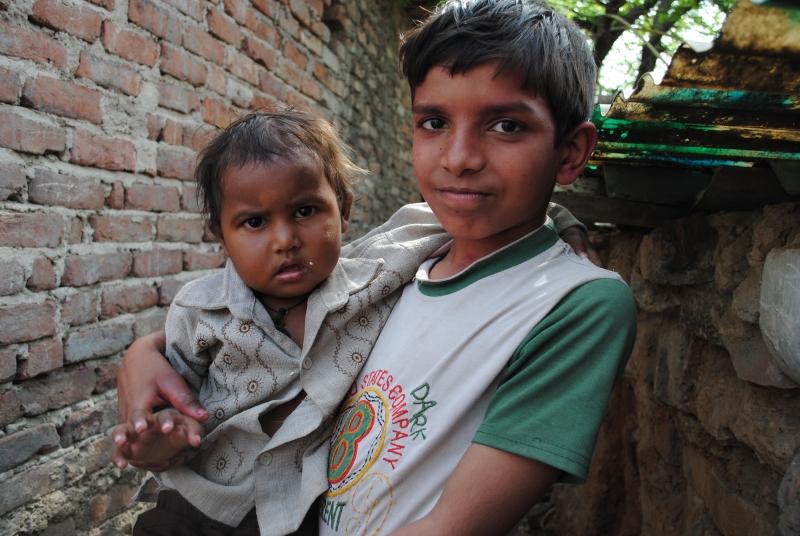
(21, 446)
(30, 135)
(8, 363)
(129, 298)
(114, 228)
(203, 260)
(157, 262)
(177, 98)
(80, 308)
(98, 151)
(109, 73)
(149, 322)
(243, 67)
(273, 86)
(27, 321)
(31, 229)
(43, 356)
(87, 269)
(97, 340)
(296, 55)
(174, 229)
(289, 72)
(217, 80)
(175, 162)
(260, 51)
(300, 11)
(217, 113)
(152, 197)
(43, 274)
(166, 293)
(77, 20)
(223, 27)
(263, 28)
(116, 198)
(10, 410)
(311, 88)
(108, 4)
(12, 180)
(321, 30)
(200, 42)
(189, 199)
(155, 123)
(10, 83)
(172, 133)
(63, 98)
(52, 188)
(183, 65)
(193, 8)
(13, 280)
(130, 45)
(32, 45)
(287, 23)
(236, 9)
(198, 137)
(106, 371)
(264, 6)
(74, 232)
(155, 18)
(109, 503)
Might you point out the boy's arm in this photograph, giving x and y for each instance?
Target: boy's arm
(488, 492)
(543, 419)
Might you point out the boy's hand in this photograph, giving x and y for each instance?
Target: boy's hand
(576, 237)
(167, 435)
(146, 380)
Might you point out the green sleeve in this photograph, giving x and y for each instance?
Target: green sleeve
(553, 395)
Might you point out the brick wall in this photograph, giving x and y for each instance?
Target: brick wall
(103, 105)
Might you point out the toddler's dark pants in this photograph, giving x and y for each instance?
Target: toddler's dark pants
(175, 516)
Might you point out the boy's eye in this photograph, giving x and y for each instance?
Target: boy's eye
(305, 212)
(506, 126)
(254, 223)
(435, 123)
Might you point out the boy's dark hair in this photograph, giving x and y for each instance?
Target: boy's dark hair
(263, 137)
(524, 36)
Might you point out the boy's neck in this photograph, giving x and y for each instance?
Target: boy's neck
(464, 252)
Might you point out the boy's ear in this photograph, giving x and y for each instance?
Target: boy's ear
(347, 203)
(574, 151)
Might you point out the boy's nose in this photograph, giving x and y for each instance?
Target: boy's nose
(463, 153)
(284, 237)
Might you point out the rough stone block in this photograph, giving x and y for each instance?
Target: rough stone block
(52, 188)
(789, 500)
(21, 446)
(13, 279)
(43, 356)
(746, 296)
(678, 253)
(97, 340)
(779, 311)
(27, 321)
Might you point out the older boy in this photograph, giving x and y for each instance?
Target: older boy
(489, 380)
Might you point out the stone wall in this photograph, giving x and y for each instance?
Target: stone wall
(703, 432)
(103, 105)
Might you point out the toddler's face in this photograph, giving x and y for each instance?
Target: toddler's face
(281, 227)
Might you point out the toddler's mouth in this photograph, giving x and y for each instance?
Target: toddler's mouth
(289, 272)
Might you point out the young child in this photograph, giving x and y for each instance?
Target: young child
(276, 192)
(489, 380)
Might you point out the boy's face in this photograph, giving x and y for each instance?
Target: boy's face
(484, 155)
(281, 227)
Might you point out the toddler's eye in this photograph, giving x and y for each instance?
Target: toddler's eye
(305, 212)
(506, 126)
(254, 223)
(435, 123)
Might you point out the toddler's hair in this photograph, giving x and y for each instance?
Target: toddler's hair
(266, 136)
(528, 37)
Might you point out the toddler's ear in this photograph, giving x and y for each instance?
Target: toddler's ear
(347, 203)
(574, 151)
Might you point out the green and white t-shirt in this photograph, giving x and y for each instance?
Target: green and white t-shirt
(518, 352)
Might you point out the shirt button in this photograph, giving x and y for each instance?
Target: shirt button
(307, 363)
(266, 458)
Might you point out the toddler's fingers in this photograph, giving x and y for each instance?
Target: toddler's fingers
(139, 419)
(165, 421)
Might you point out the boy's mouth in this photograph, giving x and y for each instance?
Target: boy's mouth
(290, 271)
(462, 197)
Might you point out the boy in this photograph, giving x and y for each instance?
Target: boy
(489, 380)
(276, 193)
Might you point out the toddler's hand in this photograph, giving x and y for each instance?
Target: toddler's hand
(168, 433)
